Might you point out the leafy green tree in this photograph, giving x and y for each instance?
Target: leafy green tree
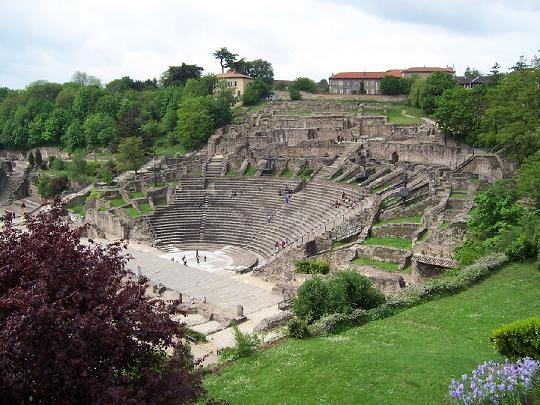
(131, 153)
(226, 58)
(99, 130)
(65, 98)
(257, 90)
(362, 89)
(84, 79)
(459, 111)
(512, 119)
(311, 300)
(195, 124)
(56, 125)
(38, 159)
(120, 85)
(43, 90)
(106, 175)
(179, 75)
(528, 179)
(471, 73)
(78, 168)
(31, 159)
(295, 95)
(348, 290)
(257, 69)
(108, 104)
(85, 100)
(74, 137)
(390, 85)
(322, 86)
(436, 84)
(305, 84)
(200, 87)
(520, 64)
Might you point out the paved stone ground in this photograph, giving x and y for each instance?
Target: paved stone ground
(221, 288)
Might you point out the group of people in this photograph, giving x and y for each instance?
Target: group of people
(280, 245)
(345, 201)
(286, 193)
(197, 257)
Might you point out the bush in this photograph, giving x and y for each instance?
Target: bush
(345, 292)
(305, 84)
(311, 300)
(411, 296)
(297, 328)
(518, 339)
(312, 267)
(295, 95)
(56, 163)
(349, 290)
(94, 195)
(49, 187)
(245, 346)
(92, 168)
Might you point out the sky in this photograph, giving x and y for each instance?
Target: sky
(51, 39)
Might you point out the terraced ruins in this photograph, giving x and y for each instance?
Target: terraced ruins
(330, 180)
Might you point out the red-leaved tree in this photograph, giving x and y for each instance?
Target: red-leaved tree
(74, 328)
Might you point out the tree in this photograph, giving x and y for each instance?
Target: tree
(311, 300)
(436, 84)
(391, 85)
(471, 73)
(38, 159)
(323, 86)
(459, 111)
(257, 69)
(99, 130)
(179, 75)
(257, 90)
(495, 74)
(78, 167)
(520, 64)
(74, 136)
(225, 57)
(195, 124)
(295, 95)
(84, 79)
(528, 176)
(106, 175)
(77, 328)
(362, 89)
(131, 153)
(31, 160)
(305, 84)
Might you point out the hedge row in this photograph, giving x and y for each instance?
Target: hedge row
(412, 296)
(518, 339)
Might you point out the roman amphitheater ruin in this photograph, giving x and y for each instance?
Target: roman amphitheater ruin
(308, 179)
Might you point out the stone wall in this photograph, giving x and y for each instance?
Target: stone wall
(381, 253)
(108, 223)
(394, 231)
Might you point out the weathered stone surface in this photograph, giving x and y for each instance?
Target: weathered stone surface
(273, 321)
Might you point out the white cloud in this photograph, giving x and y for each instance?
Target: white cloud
(50, 39)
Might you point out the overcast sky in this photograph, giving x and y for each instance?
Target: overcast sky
(51, 39)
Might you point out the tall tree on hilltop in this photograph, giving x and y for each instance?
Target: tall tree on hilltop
(77, 329)
(179, 75)
(226, 58)
(84, 79)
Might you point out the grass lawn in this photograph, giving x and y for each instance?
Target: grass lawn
(380, 188)
(305, 174)
(231, 172)
(399, 243)
(411, 219)
(444, 225)
(409, 358)
(395, 116)
(133, 213)
(388, 266)
(145, 208)
(458, 195)
(287, 173)
(256, 107)
(250, 171)
(118, 202)
(166, 149)
(136, 194)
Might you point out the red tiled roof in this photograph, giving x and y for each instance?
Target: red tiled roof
(230, 74)
(425, 69)
(366, 75)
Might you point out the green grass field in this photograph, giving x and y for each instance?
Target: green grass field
(118, 202)
(133, 213)
(231, 172)
(458, 195)
(409, 358)
(250, 171)
(387, 266)
(395, 116)
(136, 194)
(164, 148)
(145, 208)
(78, 209)
(411, 219)
(287, 173)
(398, 243)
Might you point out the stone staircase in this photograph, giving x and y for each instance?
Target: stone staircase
(213, 169)
(326, 173)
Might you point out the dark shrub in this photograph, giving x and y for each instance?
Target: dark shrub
(349, 290)
(297, 328)
(518, 339)
(56, 163)
(311, 301)
(295, 95)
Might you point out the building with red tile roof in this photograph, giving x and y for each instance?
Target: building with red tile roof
(353, 82)
(236, 80)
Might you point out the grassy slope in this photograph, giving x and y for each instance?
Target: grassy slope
(409, 358)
